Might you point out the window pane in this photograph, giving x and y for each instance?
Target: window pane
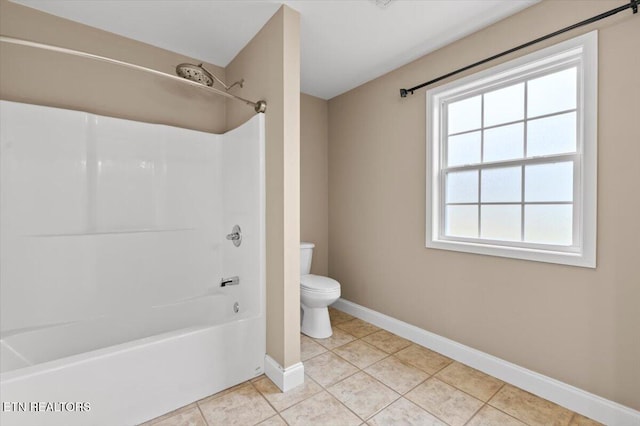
(504, 143)
(502, 185)
(549, 224)
(549, 182)
(464, 115)
(501, 222)
(463, 149)
(504, 105)
(551, 135)
(462, 187)
(462, 221)
(552, 93)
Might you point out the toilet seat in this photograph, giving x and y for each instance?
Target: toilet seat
(318, 284)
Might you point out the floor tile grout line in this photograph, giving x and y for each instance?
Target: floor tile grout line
(404, 394)
(282, 418)
(292, 405)
(340, 381)
(338, 355)
(304, 399)
(367, 366)
(265, 398)
(434, 415)
(468, 393)
(496, 392)
(321, 353)
(459, 390)
(399, 395)
(206, 422)
(510, 415)
(344, 405)
(356, 337)
(375, 413)
(517, 418)
(474, 414)
(462, 390)
(344, 378)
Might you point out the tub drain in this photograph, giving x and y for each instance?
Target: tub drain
(236, 307)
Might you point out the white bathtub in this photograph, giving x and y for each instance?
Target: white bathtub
(113, 247)
(132, 382)
(35, 346)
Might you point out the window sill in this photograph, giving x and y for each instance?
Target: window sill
(585, 260)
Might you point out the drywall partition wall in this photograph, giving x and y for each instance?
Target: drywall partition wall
(270, 65)
(314, 179)
(54, 79)
(577, 325)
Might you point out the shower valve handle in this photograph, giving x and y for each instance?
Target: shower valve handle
(235, 236)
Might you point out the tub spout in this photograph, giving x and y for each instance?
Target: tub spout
(229, 281)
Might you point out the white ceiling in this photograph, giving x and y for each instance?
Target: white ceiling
(344, 43)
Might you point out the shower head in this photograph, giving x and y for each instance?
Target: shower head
(195, 73)
(200, 75)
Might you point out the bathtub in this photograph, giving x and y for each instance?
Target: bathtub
(113, 251)
(129, 383)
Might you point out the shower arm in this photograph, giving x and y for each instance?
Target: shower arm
(259, 106)
(226, 88)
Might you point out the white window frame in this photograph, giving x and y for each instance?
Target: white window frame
(581, 51)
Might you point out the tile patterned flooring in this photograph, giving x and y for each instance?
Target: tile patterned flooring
(363, 375)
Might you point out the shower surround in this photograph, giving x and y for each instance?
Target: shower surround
(113, 249)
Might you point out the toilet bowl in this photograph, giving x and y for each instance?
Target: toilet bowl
(316, 294)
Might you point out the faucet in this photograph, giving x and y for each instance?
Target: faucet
(229, 281)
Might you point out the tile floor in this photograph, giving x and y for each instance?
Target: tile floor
(363, 375)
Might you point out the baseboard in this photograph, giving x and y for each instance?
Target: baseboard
(578, 400)
(285, 378)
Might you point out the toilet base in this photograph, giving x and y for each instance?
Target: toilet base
(316, 322)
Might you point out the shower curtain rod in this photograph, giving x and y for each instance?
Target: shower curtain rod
(260, 106)
(633, 4)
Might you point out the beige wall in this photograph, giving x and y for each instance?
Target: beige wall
(577, 325)
(53, 79)
(270, 65)
(314, 179)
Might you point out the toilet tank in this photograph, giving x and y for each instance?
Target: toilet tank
(306, 253)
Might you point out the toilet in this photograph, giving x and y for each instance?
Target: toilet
(316, 294)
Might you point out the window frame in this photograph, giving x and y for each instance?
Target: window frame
(581, 52)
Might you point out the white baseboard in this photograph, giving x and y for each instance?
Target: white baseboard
(285, 378)
(578, 400)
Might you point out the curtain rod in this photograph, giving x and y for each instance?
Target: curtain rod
(260, 106)
(633, 4)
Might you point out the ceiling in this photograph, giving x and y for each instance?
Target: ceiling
(344, 43)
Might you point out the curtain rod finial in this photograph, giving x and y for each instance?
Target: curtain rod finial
(260, 106)
(403, 93)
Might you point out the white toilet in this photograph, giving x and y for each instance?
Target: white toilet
(316, 293)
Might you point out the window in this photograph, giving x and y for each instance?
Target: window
(511, 158)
